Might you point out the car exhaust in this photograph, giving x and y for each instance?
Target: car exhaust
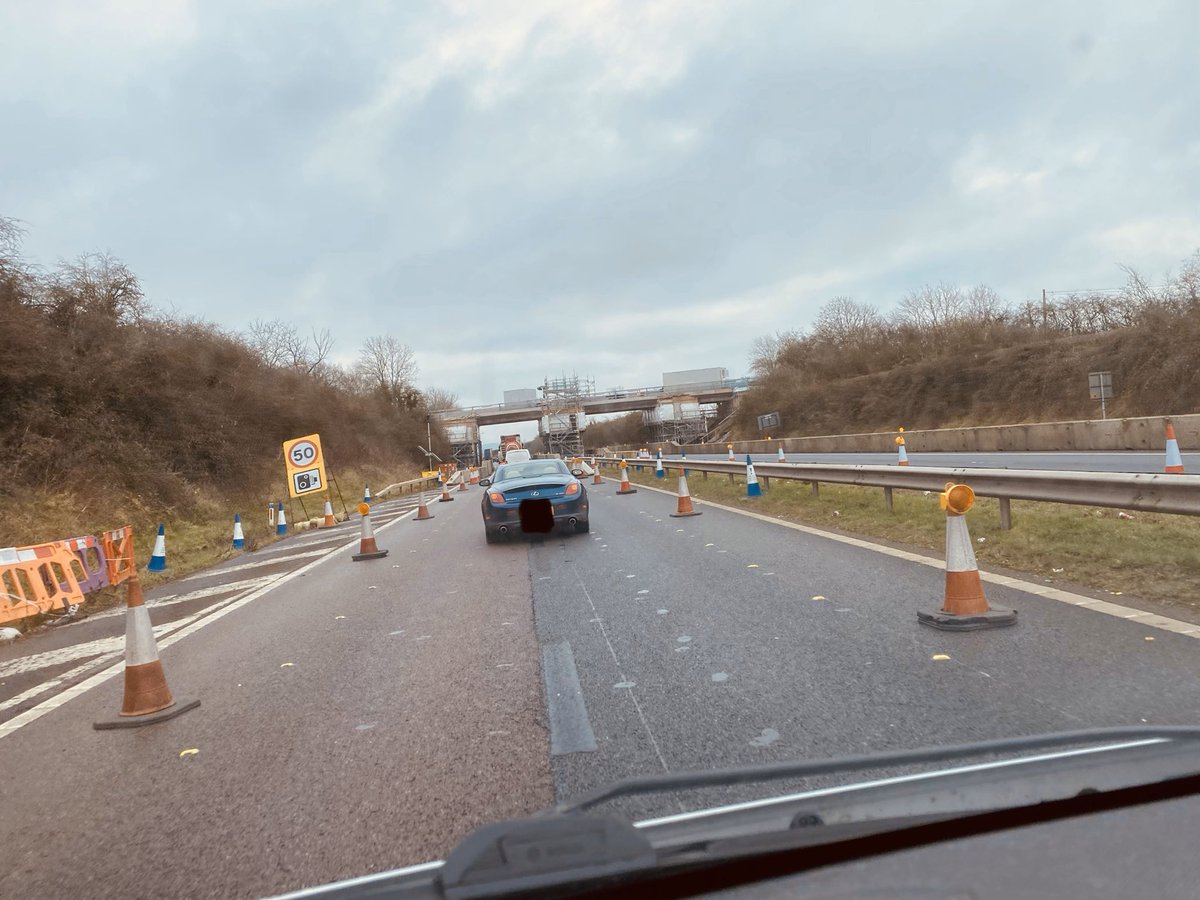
(572, 521)
(504, 529)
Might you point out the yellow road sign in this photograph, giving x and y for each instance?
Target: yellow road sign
(305, 464)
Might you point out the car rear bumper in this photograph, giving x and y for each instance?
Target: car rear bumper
(509, 517)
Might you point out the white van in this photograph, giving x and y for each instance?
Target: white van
(513, 456)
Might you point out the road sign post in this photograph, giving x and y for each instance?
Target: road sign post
(305, 465)
(1100, 388)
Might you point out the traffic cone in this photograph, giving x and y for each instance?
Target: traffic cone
(366, 493)
(367, 548)
(901, 452)
(780, 457)
(1174, 461)
(147, 698)
(684, 507)
(474, 476)
(445, 498)
(158, 558)
(462, 480)
(626, 487)
(596, 479)
(423, 512)
(752, 486)
(732, 458)
(330, 521)
(658, 466)
(964, 607)
(280, 519)
(239, 539)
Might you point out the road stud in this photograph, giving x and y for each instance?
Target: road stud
(684, 506)
(1174, 461)
(753, 488)
(626, 487)
(239, 538)
(964, 608)
(367, 548)
(901, 452)
(158, 558)
(147, 698)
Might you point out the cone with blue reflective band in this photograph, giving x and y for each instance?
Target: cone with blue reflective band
(366, 493)
(901, 450)
(659, 472)
(158, 559)
(280, 519)
(239, 539)
(753, 489)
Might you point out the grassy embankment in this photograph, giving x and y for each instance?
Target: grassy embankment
(1150, 555)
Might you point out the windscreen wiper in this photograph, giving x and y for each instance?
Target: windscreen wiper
(682, 781)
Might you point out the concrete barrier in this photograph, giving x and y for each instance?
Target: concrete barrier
(1145, 433)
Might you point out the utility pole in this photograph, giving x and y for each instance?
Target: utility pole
(1044, 323)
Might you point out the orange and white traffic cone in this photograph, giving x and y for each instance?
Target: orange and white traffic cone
(474, 476)
(731, 457)
(596, 479)
(1174, 461)
(901, 452)
(147, 698)
(462, 480)
(367, 548)
(684, 507)
(330, 521)
(780, 457)
(423, 512)
(626, 487)
(445, 498)
(964, 607)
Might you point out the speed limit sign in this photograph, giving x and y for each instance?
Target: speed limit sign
(305, 465)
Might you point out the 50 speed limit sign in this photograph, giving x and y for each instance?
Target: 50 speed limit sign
(305, 465)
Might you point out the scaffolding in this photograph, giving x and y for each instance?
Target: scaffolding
(562, 419)
(676, 423)
(464, 444)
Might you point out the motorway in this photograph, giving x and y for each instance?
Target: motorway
(1064, 461)
(361, 716)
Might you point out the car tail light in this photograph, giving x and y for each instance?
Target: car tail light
(496, 497)
(572, 489)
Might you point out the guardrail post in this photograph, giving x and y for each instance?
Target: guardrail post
(731, 478)
(705, 474)
(766, 483)
(816, 488)
(1005, 513)
(887, 499)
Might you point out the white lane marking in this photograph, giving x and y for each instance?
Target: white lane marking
(1141, 617)
(233, 587)
(206, 617)
(254, 564)
(613, 653)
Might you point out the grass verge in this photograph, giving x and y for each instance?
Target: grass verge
(1150, 555)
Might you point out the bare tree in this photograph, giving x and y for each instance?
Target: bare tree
(933, 307)
(983, 305)
(842, 321)
(389, 367)
(280, 346)
(439, 398)
(95, 284)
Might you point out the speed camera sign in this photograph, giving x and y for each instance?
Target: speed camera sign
(305, 465)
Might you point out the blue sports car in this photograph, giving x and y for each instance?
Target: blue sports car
(533, 497)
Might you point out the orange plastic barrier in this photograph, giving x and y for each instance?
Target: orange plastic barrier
(35, 580)
(118, 553)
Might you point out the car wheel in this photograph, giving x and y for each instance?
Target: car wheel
(582, 527)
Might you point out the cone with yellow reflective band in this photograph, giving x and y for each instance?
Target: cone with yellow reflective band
(901, 450)
(964, 607)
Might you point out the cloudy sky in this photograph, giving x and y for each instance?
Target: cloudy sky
(520, 189)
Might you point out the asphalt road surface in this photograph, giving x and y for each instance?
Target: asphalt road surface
(1064, 461)
(360, 716)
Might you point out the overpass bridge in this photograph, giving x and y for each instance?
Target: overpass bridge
(680, 413)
